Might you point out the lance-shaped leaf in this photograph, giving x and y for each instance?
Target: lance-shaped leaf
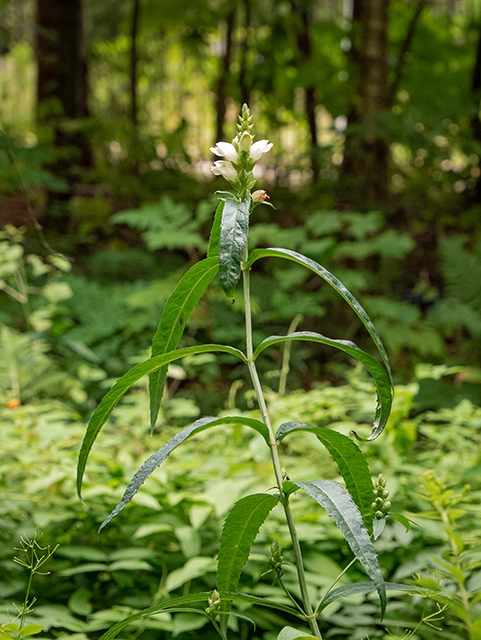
(164, 452)
(233, 237)
(378, 372)
(349, 459)
(173, 604)
(240, 529)
(333, 281)
(343, 510)
(214, 239)
(110, 400)
(175, 316)
(361, 587)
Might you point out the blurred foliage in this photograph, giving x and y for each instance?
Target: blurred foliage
(164, 542)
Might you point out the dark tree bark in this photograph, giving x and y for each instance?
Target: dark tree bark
(366, 155)
(302, 9)
(367, 152)
(222, 81)
(134, 27)
(62, 87)
(245, 92)
(476, 122)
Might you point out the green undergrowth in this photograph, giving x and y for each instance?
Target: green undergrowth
(166, 541)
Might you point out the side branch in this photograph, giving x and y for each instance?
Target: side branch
(405, 47)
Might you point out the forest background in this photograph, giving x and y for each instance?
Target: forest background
(108, 111)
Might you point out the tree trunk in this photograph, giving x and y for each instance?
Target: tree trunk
(476, 122)
(133, 65)
(366, 158)
(62, 87)
(302, 9)
(221, 94)
(245, 93)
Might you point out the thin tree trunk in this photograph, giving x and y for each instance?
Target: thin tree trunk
(373, 95)
(133, 65)
(62, 88)
(367, 152)
(476, 122)
(305, 49)
(224, 77)
(245, 93)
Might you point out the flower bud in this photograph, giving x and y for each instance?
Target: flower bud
(276, 558)
(259, 196)
(214, 602)
(245, 142)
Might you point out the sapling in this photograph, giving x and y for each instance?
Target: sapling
(350, 506)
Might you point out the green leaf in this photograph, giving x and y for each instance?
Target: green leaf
(188, 599)
(175, 316)
(342, 509)
(233, 237)
(238, 534)
(192, 569)
(84, 568)
(349, 459)
(378, 372)
(378, 527)
(336, 284)
(402, 519)
(289, 633)
(162, 454)
(111, 399)
(30, 630)
(214, 240)
(361, 587)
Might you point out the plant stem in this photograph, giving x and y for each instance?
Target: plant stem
(274, 452)
(286, 356)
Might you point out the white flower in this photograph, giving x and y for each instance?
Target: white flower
(224, 168)
(225, 149)
(260, 147)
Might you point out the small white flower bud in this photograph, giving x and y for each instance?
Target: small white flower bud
(259, 196)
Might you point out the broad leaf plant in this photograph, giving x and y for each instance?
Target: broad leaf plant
(358, 509)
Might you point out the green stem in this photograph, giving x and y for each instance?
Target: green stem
(335, 582)
(27, 593)
(462, 588)
(286, 356)
(274, 451)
